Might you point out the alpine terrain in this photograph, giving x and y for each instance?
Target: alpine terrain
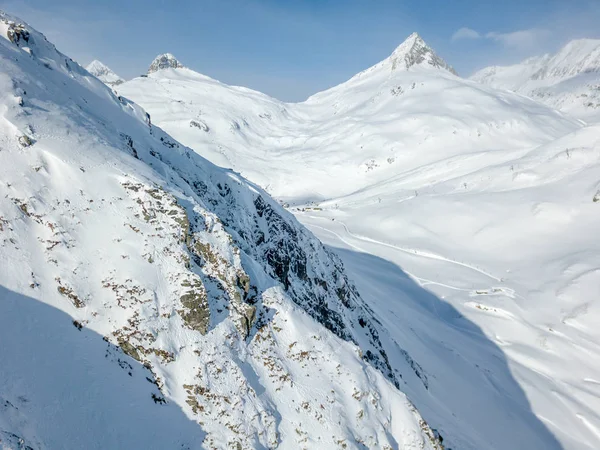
(466, 215)
(407, 260)
(568, 80)
(104, 73)
(150, 299)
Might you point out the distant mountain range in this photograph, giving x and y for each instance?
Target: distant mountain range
(568, 80)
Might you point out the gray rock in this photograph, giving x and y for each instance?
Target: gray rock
(165, 61)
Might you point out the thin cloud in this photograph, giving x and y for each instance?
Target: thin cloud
(523, 39)
(466, 33)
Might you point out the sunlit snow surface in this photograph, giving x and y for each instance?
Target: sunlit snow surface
(568, 80)
(104, 73)
(466, 216)
(109, 229)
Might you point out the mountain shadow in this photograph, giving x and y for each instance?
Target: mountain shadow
(64, 386)
(458, 378)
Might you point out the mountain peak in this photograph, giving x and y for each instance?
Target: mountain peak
(414, 38)
(96, 65)
(104, 73)
(415, 51)
(164, 61)
(577, 57)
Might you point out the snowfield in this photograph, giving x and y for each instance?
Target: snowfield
(409, 260)
(568, 80)
(150, 299)
(467, 216)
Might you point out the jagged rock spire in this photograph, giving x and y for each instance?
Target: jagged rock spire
(414, 51)
(164, 61)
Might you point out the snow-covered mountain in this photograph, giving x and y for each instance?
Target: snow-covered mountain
(568, 80)
(466, 215)
(414, 51)
(149, 299)
(104, 73)
(362, 131)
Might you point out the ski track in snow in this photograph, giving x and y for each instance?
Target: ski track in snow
(414, 252)
(422, 253)
(593, 429)
(420, 280)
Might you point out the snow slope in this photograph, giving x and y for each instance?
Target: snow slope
(104, 73)
(568, 80)
(515, 251)
(362, 131)
(467, 216)
(150, 299)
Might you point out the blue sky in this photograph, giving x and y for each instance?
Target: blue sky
(292, 48)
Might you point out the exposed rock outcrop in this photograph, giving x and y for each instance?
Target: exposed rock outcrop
(164, 61)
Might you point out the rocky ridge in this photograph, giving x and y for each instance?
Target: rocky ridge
(164, 61)
(231, 305)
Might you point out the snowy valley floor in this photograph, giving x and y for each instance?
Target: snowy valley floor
(489, 352)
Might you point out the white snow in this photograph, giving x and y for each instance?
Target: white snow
(226, 323)
(150, 299)
(568, 80)
(104, 73)
(465, 214)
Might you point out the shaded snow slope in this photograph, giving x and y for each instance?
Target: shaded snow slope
(486, 200)
(568, 80)
(52, 373)
(217, 307)
(104, 73)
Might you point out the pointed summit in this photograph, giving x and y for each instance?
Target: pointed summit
(414, 51)
(104, 73)
(164, 61)
(97, 67)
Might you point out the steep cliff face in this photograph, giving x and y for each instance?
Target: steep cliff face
(164, 61)
(226, 305)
